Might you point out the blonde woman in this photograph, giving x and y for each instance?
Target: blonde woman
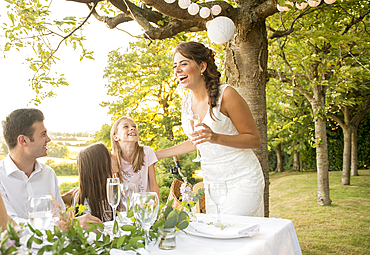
(136, 162)
(4, 217)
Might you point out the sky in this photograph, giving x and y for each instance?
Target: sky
(75, 107)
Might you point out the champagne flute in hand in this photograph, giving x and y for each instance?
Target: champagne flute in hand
(146, 206)
(40, 211)
(113, 194)
(194, 120)
(217, 191)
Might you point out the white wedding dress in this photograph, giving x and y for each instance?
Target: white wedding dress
(239, 168)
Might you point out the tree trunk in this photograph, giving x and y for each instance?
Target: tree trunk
(346, 155)
(323, 197)
(354, 154)
(318, 104)
(279, 159)
(246, 70)
(295, 160)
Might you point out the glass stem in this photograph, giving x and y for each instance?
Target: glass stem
(218, 213)
(114, 214)
(146, 239)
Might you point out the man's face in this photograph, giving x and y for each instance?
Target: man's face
(37, 148)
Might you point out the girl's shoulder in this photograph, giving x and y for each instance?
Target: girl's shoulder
(148, 149)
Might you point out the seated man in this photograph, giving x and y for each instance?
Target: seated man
(21, 175)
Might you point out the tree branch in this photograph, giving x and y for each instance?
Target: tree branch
(64, 38)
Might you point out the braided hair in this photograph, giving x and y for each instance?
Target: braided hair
(200, 53)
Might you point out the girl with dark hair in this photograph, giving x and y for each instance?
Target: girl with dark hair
(227, 135)
(95, 164)
(136, 163)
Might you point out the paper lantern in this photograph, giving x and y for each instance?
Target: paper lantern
(216, 9)
(329, 1)
(221, 30)
(204, 12)
(208, 23)
(301, 6)
(184, 3)
(313, 3)
(169, 1)
(193, 9)
(282, 8)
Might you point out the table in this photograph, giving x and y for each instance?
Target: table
(276, 237)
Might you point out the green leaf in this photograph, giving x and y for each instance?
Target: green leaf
(170, 222)
(115, 227)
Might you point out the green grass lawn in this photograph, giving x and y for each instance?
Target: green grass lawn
(341, 228)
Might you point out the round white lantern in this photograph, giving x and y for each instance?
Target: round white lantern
(216, 9)
(221, 30)
(282, 8)
(329, 1)
(313, 3)
(184, 3)
(204, 12)
(169, 1)
(208, 23)
(193, 9)
(301, 6)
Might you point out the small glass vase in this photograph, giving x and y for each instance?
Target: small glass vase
(191, 211)
(167, 238)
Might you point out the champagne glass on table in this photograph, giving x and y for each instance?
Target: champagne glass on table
(217, 192)
(40, 211)
(194, 119)
(146, 206)
(113, 194)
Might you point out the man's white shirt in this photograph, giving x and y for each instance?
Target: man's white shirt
(16, 187)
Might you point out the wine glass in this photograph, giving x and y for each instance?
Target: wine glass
(113, 194)
(127, 191)
(40, 211)
(217, 192)
(146, 206)
(193, 121)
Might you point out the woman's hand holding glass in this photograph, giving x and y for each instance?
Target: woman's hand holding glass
(194, 120)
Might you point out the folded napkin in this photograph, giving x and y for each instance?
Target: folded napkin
(228, 230)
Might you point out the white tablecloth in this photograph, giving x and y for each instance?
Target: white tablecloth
(276, 237)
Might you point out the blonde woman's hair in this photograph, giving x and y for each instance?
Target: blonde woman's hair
(137, 159)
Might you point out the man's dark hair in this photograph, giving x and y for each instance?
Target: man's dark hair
(20, 122)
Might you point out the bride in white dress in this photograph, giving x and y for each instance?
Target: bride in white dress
(228, 132)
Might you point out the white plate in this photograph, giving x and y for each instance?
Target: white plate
(192, 231)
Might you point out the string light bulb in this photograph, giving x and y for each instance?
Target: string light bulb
(193, 9)
(184, 3)
(204, 12)
(313, 3)
(216, 9)
(301, 6)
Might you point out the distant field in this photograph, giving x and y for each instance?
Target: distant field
(74, 151)
(56, 160)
